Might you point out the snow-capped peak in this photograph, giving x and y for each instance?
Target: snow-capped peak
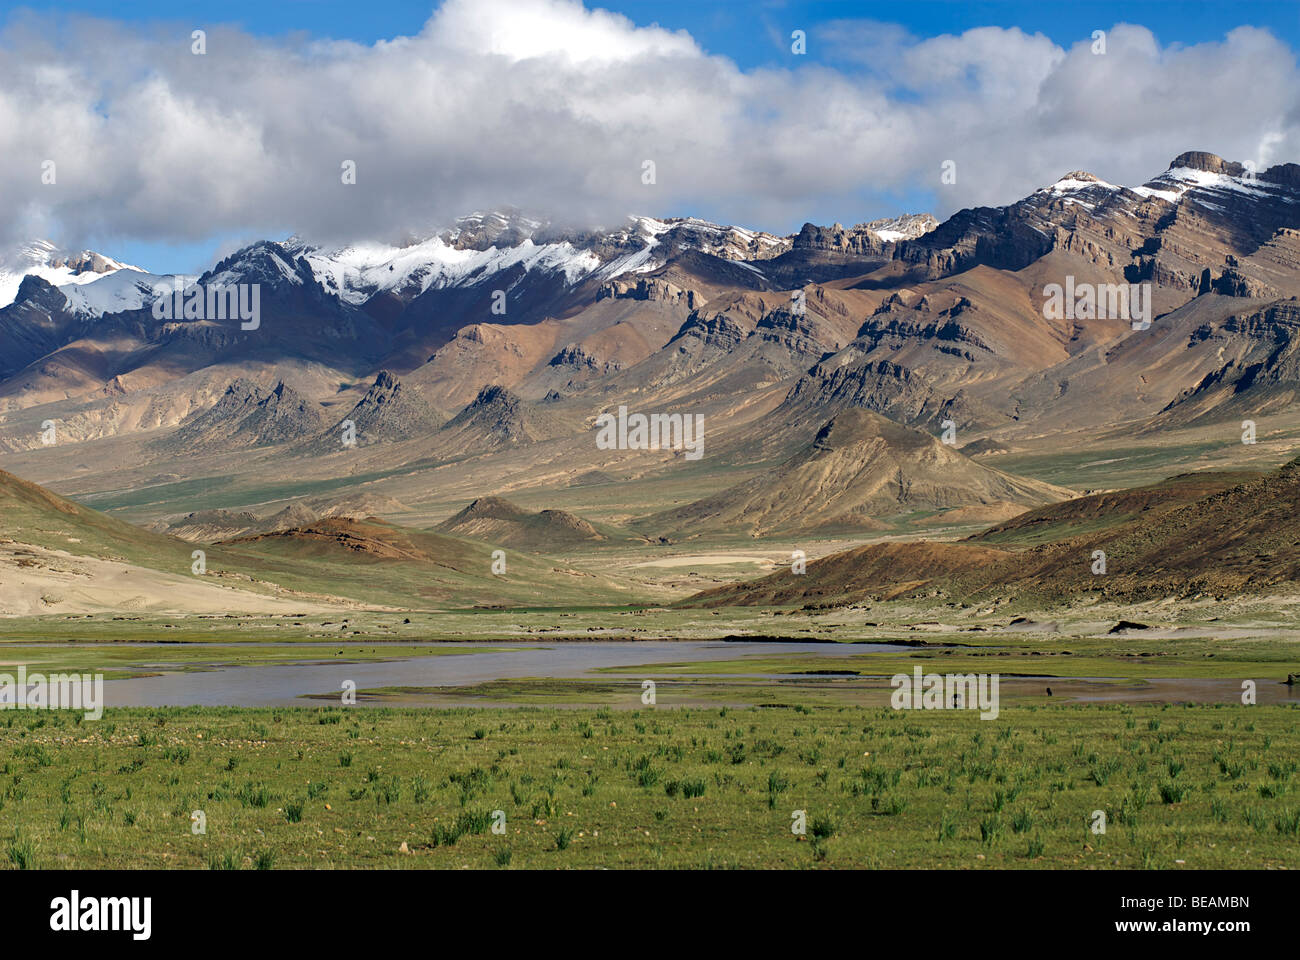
(647, 242)
(125, 289)
(484, 243)
(1195, 174)
(1179, 180)
(58, 267)
(1076, 181)
(909, 226)
(358, 271)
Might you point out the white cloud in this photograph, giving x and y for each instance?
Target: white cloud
(551, 28)
(553, 107)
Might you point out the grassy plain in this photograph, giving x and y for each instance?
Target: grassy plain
(1180, 787)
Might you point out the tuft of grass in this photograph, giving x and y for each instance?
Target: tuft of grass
(254, 795)
(1288, 823)
(890, 805)
(22, 852)
(990, 830)
(224, 861)
(947, 827)
(467, 823)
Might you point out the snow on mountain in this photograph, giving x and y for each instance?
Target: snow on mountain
(1076, 181)
(357, 272)
(483, 244)
(1192, 176)
(1182, 181)
(60, 268)
(126, 289)
(909, 226)
(496, 228)
(478, 246)
(474, 249)
(261, 262)
(727, 242)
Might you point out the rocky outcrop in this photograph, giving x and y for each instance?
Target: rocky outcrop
(388, 413)
(864, 239)
(652, 289)
(247, 415)
(502, 523)
(1207, 163)
(87, 261)
(717, 329)
(576, 357)
(36, 323)
(1258, 371)
(1233, 283)
(500, 417)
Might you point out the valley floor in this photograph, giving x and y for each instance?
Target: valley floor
(1179, 787)
(785, 723)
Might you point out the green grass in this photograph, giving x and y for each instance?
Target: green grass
(1210, 786)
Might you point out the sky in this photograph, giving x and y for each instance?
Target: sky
(168, 157)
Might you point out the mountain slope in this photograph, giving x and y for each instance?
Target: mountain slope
(57, 556)
(767, 337)
(418, 569)
(1244, 539)
(390, 412)
(1099, 511)
(496, 418)
(248, 415)
(502, 523)
(860, 467)
(881, 571)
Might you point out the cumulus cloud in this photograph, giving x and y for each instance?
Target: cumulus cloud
(553, 107)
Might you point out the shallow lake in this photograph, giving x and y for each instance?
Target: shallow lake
(268, 686)
(304, 683)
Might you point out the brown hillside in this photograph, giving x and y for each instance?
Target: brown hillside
(1242, 539)
(860, 467)
(498, 521)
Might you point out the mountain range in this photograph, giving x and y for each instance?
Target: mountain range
(851, 381)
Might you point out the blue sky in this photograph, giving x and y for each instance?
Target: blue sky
(739, 29)
(755, 36)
